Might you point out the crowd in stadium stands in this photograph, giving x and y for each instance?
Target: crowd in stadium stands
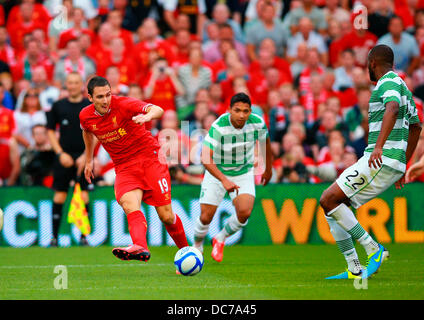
(303, 63)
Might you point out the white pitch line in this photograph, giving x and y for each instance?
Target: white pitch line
(85, 266)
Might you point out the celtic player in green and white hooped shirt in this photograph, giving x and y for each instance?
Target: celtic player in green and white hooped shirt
(394, 130)
(228, 155)
(391, 87)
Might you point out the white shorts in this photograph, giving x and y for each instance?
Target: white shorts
(360, 183)
(212, 191)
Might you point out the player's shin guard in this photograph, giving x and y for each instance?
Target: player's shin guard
(200, 231)
(176, 231)
(137, 226)
(345, 244)
(347, 220)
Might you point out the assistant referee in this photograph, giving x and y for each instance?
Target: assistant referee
(69, 148)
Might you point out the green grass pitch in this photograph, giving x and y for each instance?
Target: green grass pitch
(273, 272)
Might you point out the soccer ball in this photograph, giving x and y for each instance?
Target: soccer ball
(189, 261)
(1, 219)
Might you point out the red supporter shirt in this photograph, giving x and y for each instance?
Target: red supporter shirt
(121, 137)
(7, 123)
(361, 45)
(6, 164)
(164, 93)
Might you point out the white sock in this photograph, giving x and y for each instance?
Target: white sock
(200, 232)
(231, 226)
(347, 220)
(345, 244)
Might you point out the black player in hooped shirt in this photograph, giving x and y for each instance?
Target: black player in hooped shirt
(69, 147)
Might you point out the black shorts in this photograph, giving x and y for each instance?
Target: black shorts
(62, 176)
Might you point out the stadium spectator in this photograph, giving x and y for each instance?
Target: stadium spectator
(113, 75)
(134, 12)
(268, 26)
(7, 52)
(268, 58)
(292, 170)
(226, 68)
(115, 18)
(404, 46)
(379, 18)
(326, 123)
(216, 103)
(37, 161)
(316, 96)
(194, 9)
(28, 116)
(299, 62)
(163, 86)
(7, 119)
(310, 10)
(313, 65)
(99, 49)
(61, 21)
(9, 158)
(334, 12)
(73, 61)
(120, 59)
(201, 109)
(357, 120)
(360, 40)
(193, 76)
(343, 73)
(306, 34)
(175, 143)
(150, 42)
(221, 15)
(23, 19)
(78, 27)
(214, 51)
(30, 58)
(47, 93)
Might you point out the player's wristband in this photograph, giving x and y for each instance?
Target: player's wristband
(59, 154)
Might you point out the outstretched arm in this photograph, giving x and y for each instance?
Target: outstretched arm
(152, 112)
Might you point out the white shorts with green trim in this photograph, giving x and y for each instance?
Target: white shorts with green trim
(212, 191)
(360, 183)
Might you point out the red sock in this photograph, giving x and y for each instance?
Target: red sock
(137, 226)
(176, 231)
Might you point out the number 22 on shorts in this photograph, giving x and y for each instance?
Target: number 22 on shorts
(356, 182)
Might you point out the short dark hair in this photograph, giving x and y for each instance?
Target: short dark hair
(96, 81)
(382, 54)
(240, 97)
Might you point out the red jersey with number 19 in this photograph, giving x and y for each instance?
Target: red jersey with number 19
(121, 137)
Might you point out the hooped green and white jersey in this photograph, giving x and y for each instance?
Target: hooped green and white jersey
(391, 87)
(234, 149)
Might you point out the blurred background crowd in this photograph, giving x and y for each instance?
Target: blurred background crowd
(303, 63)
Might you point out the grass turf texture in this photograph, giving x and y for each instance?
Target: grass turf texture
(272, 272)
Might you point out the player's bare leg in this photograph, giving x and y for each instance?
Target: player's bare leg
(173, 225)
(243, 205)
(201, 227)
(131, 204)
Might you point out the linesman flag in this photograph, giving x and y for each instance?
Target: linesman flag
(78, 213)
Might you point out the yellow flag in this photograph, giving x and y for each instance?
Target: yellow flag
(78, 213)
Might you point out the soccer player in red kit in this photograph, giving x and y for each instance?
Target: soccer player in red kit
(118, 123)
